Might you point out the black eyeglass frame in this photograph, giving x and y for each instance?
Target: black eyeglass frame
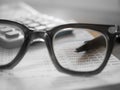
(109, 31)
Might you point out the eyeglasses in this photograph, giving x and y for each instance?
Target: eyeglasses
(76, 48)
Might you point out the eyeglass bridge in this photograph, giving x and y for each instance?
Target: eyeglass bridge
(38, 36)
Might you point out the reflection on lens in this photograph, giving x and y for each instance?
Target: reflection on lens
(83, 50)
(11, 40)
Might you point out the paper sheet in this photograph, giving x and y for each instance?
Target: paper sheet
(36, 72)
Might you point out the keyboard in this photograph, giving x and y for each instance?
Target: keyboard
(28, 16)
(24, 14)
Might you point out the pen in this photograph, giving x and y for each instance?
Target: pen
(91, 44)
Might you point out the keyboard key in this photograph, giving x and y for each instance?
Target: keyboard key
(33, 25)
(50, 25)
(5, 29)
(13, 34)
(40, 28)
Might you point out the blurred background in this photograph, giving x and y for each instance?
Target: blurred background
(84, 11)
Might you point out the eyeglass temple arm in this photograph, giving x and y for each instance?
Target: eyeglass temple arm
(91, 44)
(118, 36)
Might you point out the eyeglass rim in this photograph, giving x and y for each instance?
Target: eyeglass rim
(23, 48)
(102, 28)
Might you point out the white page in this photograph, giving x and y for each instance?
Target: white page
(36, 72)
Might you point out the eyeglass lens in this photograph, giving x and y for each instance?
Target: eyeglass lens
(82, 50)
(11, 40)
